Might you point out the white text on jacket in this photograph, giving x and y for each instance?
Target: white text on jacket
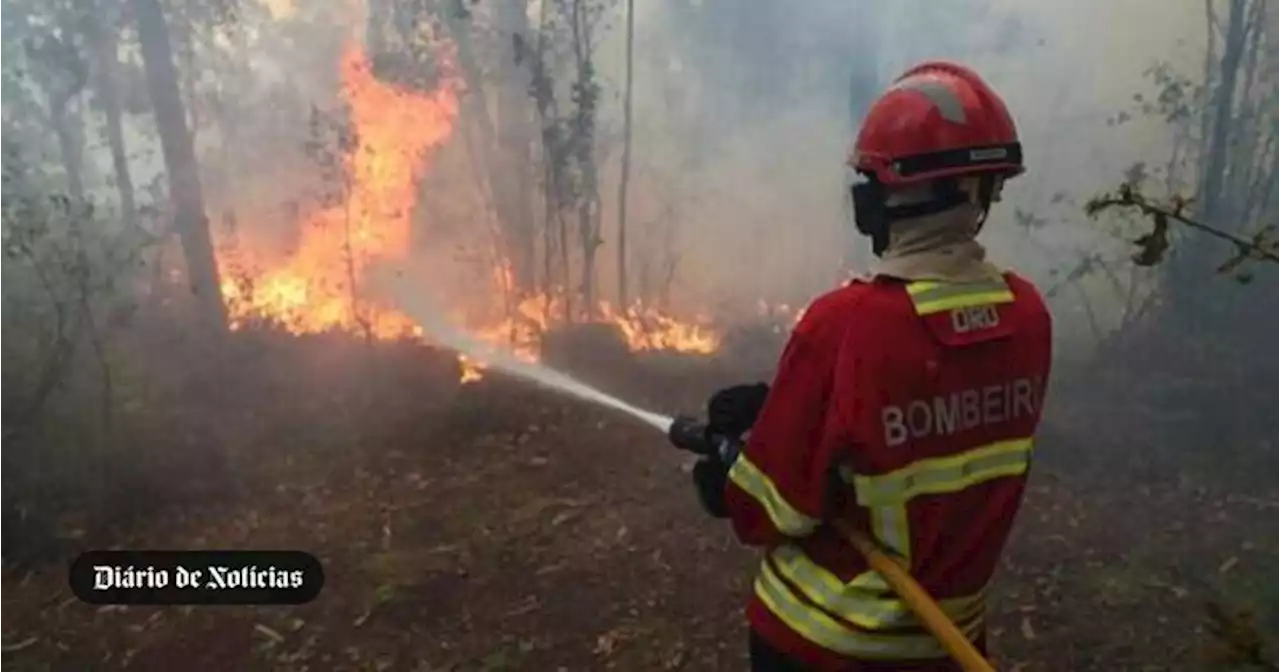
(966, 409)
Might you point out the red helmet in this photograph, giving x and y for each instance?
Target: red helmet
(938, 119)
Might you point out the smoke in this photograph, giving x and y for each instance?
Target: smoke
(743, 117)
(750, 111)
(403, 291)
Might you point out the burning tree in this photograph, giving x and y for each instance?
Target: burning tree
(317, 287)
(413, 86)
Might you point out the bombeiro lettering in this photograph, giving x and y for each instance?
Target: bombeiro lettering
(966, 409)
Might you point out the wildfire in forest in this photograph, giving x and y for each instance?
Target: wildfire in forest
(317, 287)
(312, 291)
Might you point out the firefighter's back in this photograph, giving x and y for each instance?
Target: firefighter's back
(941, 385)
(928, 415)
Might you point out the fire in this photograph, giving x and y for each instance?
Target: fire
(317, 288)
(649, 329)
(643, 329)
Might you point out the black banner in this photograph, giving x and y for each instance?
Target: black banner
(196, 577)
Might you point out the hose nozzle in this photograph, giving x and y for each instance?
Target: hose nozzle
(689, 434)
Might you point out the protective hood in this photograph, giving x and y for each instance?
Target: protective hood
(937, 247)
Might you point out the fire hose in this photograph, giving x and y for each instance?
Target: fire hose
(690, 435)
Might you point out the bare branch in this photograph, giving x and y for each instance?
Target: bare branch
(1262, 246)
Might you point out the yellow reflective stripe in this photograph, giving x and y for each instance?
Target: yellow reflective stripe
(865, 608)
(754, 482)
(870, 580)
(891, 527)
(825, 631)
(828, 633)
(941, 475)
(931, 296)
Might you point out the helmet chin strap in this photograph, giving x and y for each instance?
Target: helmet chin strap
(986, 192)
(873, 216)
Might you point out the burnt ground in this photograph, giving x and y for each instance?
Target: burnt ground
(512, 529)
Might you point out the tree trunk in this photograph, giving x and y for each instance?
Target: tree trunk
(500, 144)
(1190, 271)
(180, 162)
(1271, 22)
(583, 139)
(516, 133)
(102, 44)
(625, 177)
(1217, 145)
(566, 265)
(1271, 26)
(70, 151)
(589, 229)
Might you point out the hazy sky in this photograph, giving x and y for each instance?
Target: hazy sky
(770, 209)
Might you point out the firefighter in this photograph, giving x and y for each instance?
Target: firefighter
(904, 403)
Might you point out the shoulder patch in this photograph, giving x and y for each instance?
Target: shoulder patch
(959, 313)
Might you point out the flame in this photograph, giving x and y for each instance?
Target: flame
(649, 329)
(316, 288)
(313, 291)
(642, 328)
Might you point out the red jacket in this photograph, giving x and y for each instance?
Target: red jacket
(909, 410)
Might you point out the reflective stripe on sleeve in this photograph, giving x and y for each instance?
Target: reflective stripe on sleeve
(756, 483)
(932, 296)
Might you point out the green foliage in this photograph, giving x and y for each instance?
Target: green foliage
(1177, 99)
(569, 137)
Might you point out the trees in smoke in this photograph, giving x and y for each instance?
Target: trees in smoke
(516, 124)
(52, 47)
(558, 59)
(623, 296)
(100, 22)
(1207, 214)
(497, 129)
(515, 137)
(1235, 144)
(181, 168)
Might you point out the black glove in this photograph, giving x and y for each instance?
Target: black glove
(732, 411)
(710, 475)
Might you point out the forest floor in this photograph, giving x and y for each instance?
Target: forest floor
(512, 529)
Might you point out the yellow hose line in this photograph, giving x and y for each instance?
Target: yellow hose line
(954, 641)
